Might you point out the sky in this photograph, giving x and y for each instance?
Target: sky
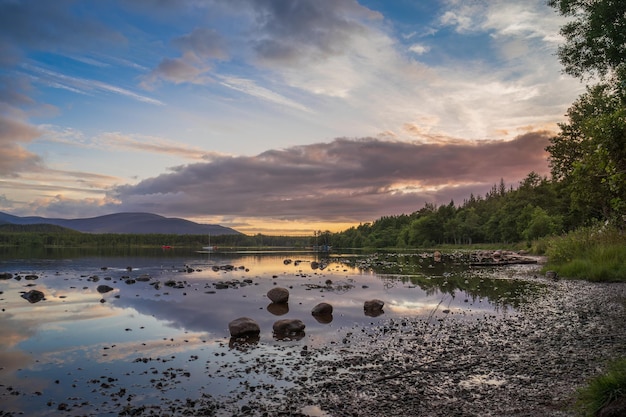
(273, 116)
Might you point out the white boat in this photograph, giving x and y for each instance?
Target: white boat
(209, 247)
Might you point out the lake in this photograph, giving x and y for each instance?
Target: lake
(161, 336)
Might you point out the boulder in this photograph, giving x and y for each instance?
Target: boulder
(552, 275)
(278, 295)
(322, 309)
(33, 296)
(6, 275)
(243, 327)
(373, 308)
(286, 327)
(31, 277)
(104, 289)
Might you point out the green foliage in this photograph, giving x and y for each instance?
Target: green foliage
(535, 209)
(595, 37)
(589, 153)
(604, 390)
(595, 253)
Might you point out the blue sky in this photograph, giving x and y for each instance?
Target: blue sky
(272, 115)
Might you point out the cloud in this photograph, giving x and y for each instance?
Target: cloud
(200, 48)
(185, 69)
(287, 31)
(83, 85)
(204, 42)
(14, 158)
(419, 49)
(249, 87)
(347, 179)
(151, 144)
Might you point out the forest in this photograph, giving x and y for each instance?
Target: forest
(534, 208)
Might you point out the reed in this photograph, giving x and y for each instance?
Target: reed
(606, 391)
(596, 253)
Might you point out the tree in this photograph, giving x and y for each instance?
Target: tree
(595, 39)
(589, 153)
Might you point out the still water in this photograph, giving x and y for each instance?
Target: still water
(161, 332)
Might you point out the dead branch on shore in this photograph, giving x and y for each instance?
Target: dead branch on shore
(426, 368)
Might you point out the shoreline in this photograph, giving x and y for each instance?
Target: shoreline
(529, 363)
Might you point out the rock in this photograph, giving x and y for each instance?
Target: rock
(286, 327)
(243, 327)
(104, 289)
(322, 309)
(278, 295)
(552, 275)
(33, 296)
(31, 277)
(437, 256)
(144, 278)
(373, 308)
(315, 265)
(6, 275)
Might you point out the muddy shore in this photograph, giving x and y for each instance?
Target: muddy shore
(526, 364)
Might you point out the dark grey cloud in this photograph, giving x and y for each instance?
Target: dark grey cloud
(344, 180)
(291, 31)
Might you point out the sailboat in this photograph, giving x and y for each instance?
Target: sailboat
(209, 247)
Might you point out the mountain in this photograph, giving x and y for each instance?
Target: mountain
(135, 223)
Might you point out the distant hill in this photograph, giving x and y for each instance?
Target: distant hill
(127, 223)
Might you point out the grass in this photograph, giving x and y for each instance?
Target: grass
(604, 390)
(595, 253)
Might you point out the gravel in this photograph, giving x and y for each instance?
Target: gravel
(529, 363)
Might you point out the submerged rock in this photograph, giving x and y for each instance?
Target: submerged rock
(102, 289)
(33, 296)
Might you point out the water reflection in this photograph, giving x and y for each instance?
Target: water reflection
(124, 317)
